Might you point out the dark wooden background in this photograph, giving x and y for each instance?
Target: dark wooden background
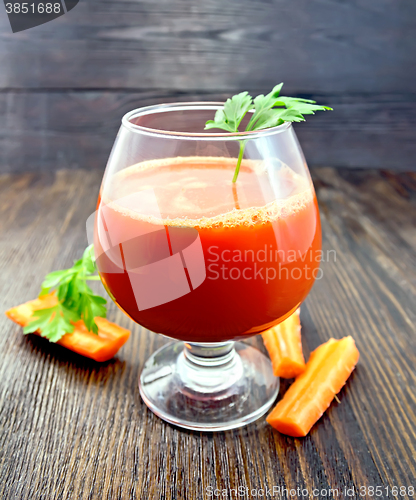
(73, 429)
(65, 85)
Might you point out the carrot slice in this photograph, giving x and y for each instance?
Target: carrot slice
(305, 401)
(284, 345)
(101, 347)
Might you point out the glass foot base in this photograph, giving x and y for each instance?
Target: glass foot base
(208, 387)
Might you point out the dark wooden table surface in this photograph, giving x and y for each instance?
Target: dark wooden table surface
(75, 429)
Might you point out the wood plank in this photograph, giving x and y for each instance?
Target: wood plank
(313, 45)
(73, 428)
(356, 222)
(45, 130)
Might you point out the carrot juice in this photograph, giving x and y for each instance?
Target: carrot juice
(187, 253)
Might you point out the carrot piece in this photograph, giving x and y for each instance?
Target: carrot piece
(101, 347)
(305, 401)
(284, 345)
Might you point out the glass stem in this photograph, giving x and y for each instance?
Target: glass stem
(209, 355)
(208, 368)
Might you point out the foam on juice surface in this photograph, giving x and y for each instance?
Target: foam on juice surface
(198, 192)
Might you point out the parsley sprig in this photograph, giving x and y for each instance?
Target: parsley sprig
(269, 110)
(76, 300)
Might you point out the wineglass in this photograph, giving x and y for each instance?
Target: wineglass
(190, 254)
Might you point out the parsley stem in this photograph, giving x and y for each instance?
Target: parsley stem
(89, 278)
(235, 195)
(240, 157)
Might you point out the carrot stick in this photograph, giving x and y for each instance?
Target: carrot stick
(305, 401)
(101, 347)
(284, 345)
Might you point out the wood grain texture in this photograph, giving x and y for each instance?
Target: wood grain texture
(44, 130)
(64, 85)
(313, 45)
(71, 428)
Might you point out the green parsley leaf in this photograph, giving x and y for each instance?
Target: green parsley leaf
(76, 300)
(91, 306)
(53, 322)
(230, 117)
(53, 279)
(269, 110)
(262, 104)
(88, 260)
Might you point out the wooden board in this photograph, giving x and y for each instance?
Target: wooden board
(314, 46)
(44, 130)
(74, 429)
